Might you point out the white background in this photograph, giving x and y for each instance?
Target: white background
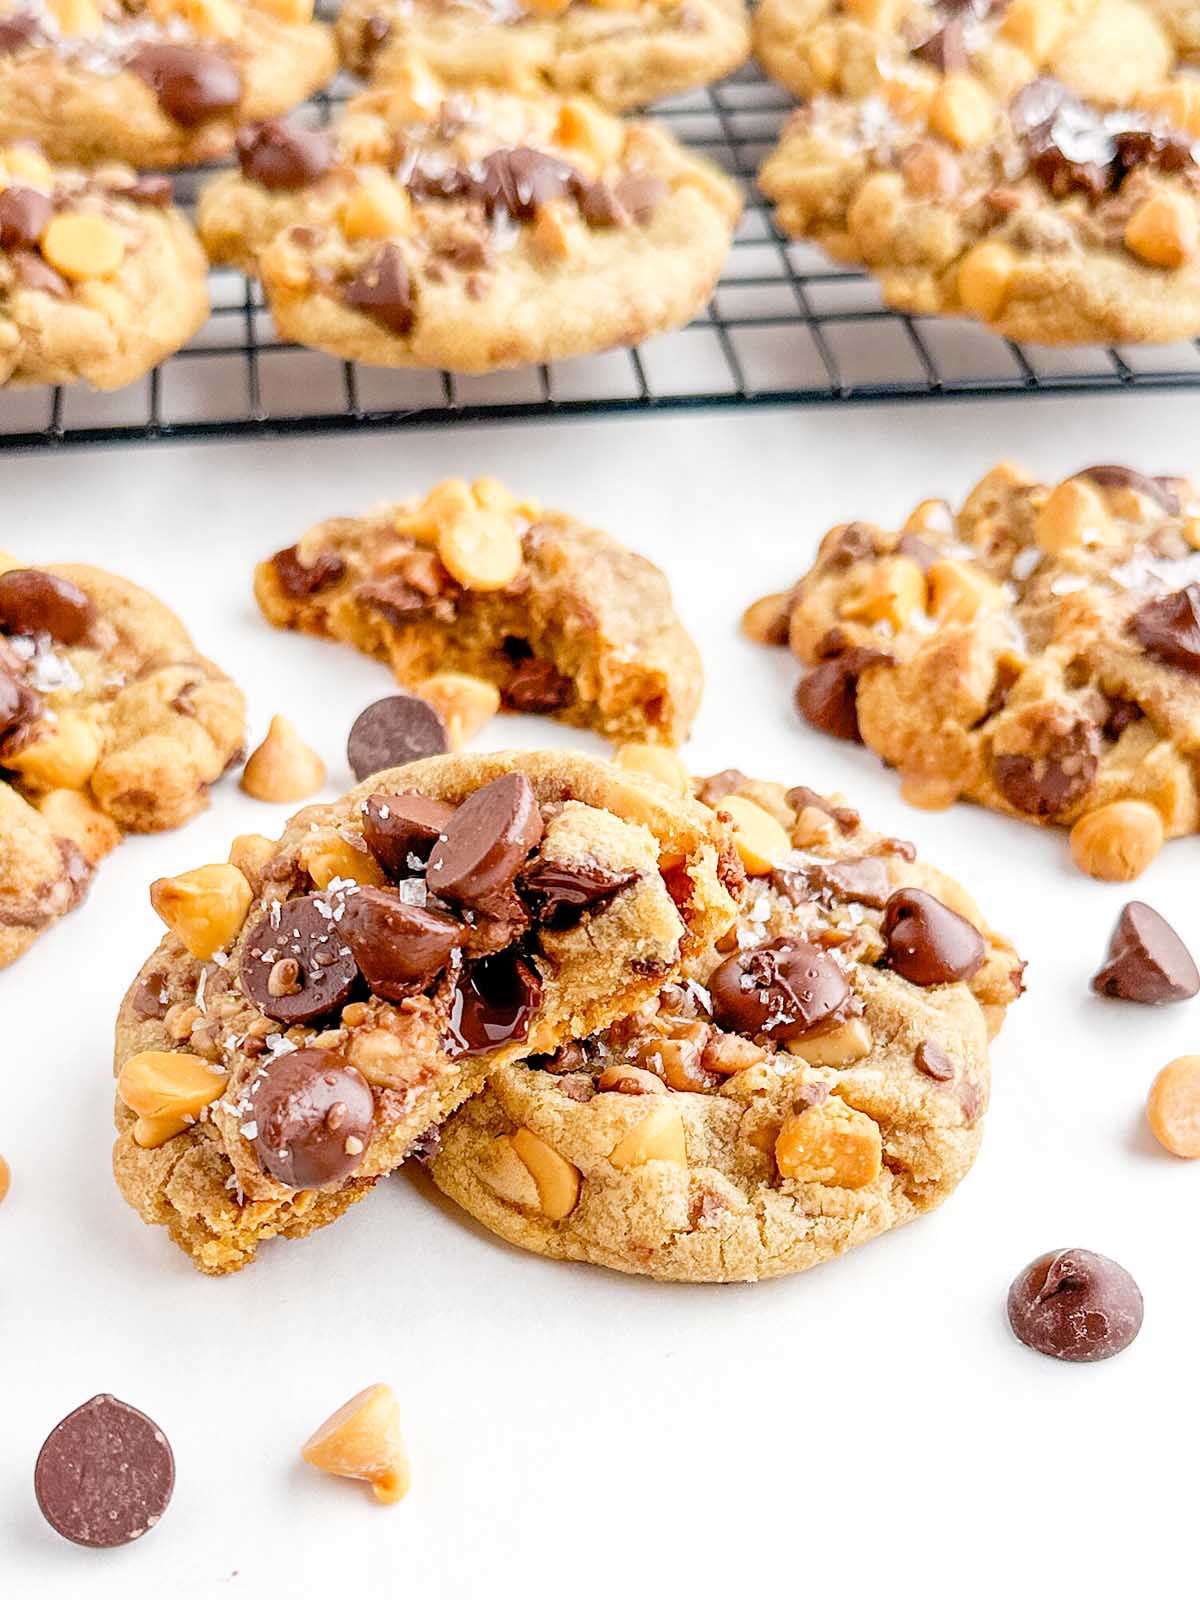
(869, 1426)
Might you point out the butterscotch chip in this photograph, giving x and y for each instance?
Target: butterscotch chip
(1173, 1107)
(830, 1143)
(205, 907)
(362, 1440)
(5, 1178)
(466, 703)
(73, 816)
(655, 761)
(760, 840)
(482, 549)
(167, 1090)
(83, 245)
(1117, 842)
(659, 1136)
(62, 755)
(282, 769)
(556, 1180)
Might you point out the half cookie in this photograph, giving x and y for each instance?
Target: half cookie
(561, 618)
(109, 722)
(328, 999)
(816, 1079)
(432, 228)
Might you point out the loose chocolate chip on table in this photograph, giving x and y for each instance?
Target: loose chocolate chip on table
(393, 732)
(1169, 628)
(1156, 489)
(1075, 1305)
(322, 972)
(494, 1002)
(283, 155)
(784, 990)
(537, 688)
(933, 1061)
(927, 943)
(560, 892)
(827, 695)
(192, 85)
(487, 841)
(297, 580)
(400, 948)
(105, 1474)
(24, 214)
(32, 601)
(399, 826)
(1147, 961)
(383, 290)
(1057, 767)
(313, 1116)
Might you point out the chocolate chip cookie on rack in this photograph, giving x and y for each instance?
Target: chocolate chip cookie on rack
(324, 1001)
(814, 1079)
(109, 723)
(473, 232)
(559, 617)
(623, 53)
(157, 83)
(1037, 652)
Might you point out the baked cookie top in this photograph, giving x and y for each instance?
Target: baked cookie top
(109, 722)
(471, 231)
(327, 998)
(1038, 652)
(816, 1078)
(623, 54)
(1045, 186)
(153, 82)
(560, 617)
(100, 276)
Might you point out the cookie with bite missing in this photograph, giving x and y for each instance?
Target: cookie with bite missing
(815, 1078)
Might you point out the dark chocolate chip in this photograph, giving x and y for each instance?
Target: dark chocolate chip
(283, 155)
(827, 696)
(946, 49)
(1075, 1305)
(299, 580)
(383, 290)
(560, 892)
(713, 790)
(864, 879)
(599, 207)
(783, 990)
(24, 214)
(400, 830)
(36, 274)
(400, 948)
(393, 732)
(1157, 489)
(1056, 768)
(321, 971)
(313, 1116)
(1147, 961)
(801, 797)
(151, 999)
(520, 180)
(537, 688)
(640, 195)
(16, 32)
(1169, 628)
(487, 841)
(933, 1061)
(193, 85)
(494, 1003)
(104, 1476)
(927, 943)
(33, 601)
(394, 599)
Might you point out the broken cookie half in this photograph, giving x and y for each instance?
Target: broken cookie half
(323, 1001)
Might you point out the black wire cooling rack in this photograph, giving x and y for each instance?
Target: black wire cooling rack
(784, 327)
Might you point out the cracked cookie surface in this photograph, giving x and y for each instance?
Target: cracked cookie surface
(815, 1079)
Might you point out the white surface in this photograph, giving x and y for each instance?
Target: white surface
(869, 1426)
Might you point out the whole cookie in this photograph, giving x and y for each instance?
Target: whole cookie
(560, 617)
(473, 232)
(357, 978)
(1037, 652)
(793, 1095)
(100, 276)
(622, 55)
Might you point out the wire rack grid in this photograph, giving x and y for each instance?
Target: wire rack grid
(784, 327)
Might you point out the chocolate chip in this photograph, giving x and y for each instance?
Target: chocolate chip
(1056, 768)
(599, 207)
(537, 688)
(782, 990)
(383, 290)
(560, 892)
(193, 85)
(19, 704)
(486, 842)
(729, 781)
(394, 599)
(149, 190)
(306, 931)
(1147, 961)
(39, 275)
(1121, 715)
(1071, 145)
(946, 49)
(842, 547)
(400, 948)
(299, 580)
(33, 601)
(927, 943)
(640, 194)
(864, 879)
(914, 548)
(397, 827)
(313, 1117)
(802, 797)
(15, 33)
(1157, 489)
(150, 1000)
(827, 696)
(520, 180)
(393, 732)
(494, 1002)
(24, 214)
(933, 1061)
(283, 155)
(1075, 1305)
(1169, 628)
(105, 1474)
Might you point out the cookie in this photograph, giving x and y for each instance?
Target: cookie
(622, 55)
(157, 83)
(816, 1078)
(949, 161)
(472, 232)
(109, 723)
(325, 1002)
(1038, 652)
(100, 276)
(561, 618)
